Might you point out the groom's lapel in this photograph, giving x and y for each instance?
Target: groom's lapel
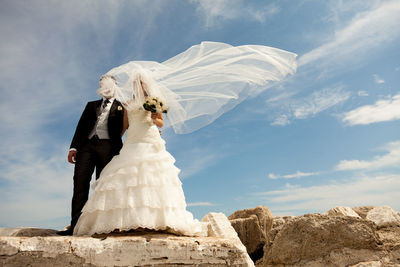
(98, 105)
(114, 107)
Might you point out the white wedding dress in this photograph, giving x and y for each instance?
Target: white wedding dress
(139, 188)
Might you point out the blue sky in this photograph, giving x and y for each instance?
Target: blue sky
(327, 136)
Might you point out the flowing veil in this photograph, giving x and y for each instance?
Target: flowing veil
(205, 81)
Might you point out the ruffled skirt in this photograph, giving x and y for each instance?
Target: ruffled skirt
(139, 188)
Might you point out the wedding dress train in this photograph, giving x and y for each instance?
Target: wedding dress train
(139, 188)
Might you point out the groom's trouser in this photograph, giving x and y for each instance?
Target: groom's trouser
(95, 154)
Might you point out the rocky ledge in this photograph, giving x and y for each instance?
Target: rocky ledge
(355, 237)
(40, 247)
(343, 236)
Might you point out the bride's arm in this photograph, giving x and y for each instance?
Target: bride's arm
(125, 124)
(157, 119)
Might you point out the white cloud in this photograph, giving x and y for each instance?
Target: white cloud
(298, 174)
(36, 191)
(341, 10)
(273, 176)
(196, 162)
(378, 80)
(280, 97)
(311, 105)
(281, 120)
(320, 101)
(48, 68)
(199, 204)
(296, 200)
(52, 51)
(391, 159)
(373, 27)
(362, 93)
(197, 156)
(215, 12)
(370, 29)
(382, 110)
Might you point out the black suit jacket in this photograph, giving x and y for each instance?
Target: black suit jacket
(88, 121)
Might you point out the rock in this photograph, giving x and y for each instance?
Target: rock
(223, 248)
(250, 234)
(342, 211)
(28, 232)
(252, 226)
(263, 214)
(363, 210)
(383, 216)
(390, 237)
(368, 264)
(118, 251)
(277, 225)
(394, 256)
(220, 226)
(312, 237)
(346, 257)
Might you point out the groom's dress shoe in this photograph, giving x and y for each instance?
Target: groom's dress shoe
(66, 232)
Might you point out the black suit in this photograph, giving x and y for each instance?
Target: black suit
(93, 153)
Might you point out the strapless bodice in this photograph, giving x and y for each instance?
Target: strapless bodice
(141, 128)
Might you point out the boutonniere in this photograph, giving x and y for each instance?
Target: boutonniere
(119, 108)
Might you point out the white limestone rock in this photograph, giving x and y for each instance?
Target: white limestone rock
(368, 264)
(314, 236)
(342, 211)
(363, 210)
(222, 248)
(220, 226)
(253, 226)
(384, 216)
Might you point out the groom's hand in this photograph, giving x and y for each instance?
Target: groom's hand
(72, 156)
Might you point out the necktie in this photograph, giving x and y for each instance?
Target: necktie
(105, 103)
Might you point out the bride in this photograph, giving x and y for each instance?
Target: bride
(140, 187)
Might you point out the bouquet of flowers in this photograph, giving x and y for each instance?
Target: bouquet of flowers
(154, 104)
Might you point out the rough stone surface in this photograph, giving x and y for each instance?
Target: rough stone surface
(368, 264)
(250, 234)
(28, 232)
(383, 216)
(222, 248)
(363, 210)
(119, 251)
(342, 211)
(390, 238)
(325, 240)
(314, 236)
(344, 257)
(278, 223)
(263, 214)
(219, 226)
(253, 226)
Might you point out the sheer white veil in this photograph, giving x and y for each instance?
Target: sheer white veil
(203, 82)
(135, 83)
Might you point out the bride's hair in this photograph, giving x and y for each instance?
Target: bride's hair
(140, 85)
(142, 79)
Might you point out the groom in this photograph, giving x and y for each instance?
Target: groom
(96, 140)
